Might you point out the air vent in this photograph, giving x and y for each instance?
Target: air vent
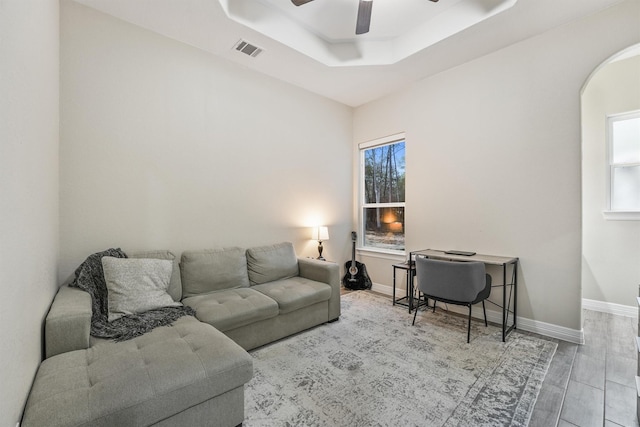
(248, 48)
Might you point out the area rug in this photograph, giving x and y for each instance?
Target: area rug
(372, 368)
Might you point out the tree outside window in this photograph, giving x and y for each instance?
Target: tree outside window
(383, 206)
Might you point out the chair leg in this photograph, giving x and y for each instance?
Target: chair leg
(469, 325)
(416, 312)
(484, 310)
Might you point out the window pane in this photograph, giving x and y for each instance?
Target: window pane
(384, 173)
(626, 141)
(626, 188)
(384, 228)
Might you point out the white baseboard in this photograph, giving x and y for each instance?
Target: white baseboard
(574, 336)
(388, 290)
(547, 329)
(609, 307)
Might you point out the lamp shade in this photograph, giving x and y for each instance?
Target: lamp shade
(320, 233)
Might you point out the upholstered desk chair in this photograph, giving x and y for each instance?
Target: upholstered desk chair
(460, 283)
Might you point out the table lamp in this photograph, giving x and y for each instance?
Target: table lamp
(320, 234)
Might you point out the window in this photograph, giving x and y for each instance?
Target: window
(382, 199)
(624, 162)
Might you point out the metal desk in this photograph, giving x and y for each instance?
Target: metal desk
(509, 302)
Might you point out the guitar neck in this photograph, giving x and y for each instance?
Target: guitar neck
(353, 254)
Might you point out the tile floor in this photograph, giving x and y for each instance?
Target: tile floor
(592, 384)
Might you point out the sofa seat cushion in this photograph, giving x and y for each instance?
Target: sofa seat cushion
(295, 293)
(137, 382)
(232, 308)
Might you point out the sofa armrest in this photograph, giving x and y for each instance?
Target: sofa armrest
(68, 322)
(325, 272)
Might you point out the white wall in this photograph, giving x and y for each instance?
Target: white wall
(611, 249)
(166, 146)
(29, 44)
(493, 157)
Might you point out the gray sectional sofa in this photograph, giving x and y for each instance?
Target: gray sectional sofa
(193, 372)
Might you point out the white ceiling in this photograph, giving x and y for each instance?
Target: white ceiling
(325, 29)
(348, 79)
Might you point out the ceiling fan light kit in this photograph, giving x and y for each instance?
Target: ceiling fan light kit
(364, 13)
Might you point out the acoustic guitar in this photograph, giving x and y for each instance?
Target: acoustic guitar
(356, 276)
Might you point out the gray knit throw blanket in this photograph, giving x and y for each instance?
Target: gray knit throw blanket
(90, 278)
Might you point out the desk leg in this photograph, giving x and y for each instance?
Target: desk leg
(515, 292)
(409, 286)
(394, 285)
(504, 302)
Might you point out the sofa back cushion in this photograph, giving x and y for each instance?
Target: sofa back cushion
(175, 286)
(272, 262)
(213, 270)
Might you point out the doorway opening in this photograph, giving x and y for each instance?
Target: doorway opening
(610, 237)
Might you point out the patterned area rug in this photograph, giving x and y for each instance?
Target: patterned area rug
(372, 368)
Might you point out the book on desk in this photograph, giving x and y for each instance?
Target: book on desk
(457, 252)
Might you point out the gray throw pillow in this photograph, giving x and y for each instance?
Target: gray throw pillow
(272, 262)
(175, 285)
(136, 285)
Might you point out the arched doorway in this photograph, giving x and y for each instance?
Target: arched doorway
(610, 243)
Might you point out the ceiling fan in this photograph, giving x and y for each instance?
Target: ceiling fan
(364, 13)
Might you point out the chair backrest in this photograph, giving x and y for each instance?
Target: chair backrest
(454, 281)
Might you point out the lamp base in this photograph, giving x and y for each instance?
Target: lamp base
(320, 248)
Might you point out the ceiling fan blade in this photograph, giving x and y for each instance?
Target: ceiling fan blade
(301, 2)
(364, 16)
(435, 1)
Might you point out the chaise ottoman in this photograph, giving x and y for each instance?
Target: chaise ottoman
(172, 376)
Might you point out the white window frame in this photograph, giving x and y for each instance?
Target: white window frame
(387, 140)
(608, 213)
